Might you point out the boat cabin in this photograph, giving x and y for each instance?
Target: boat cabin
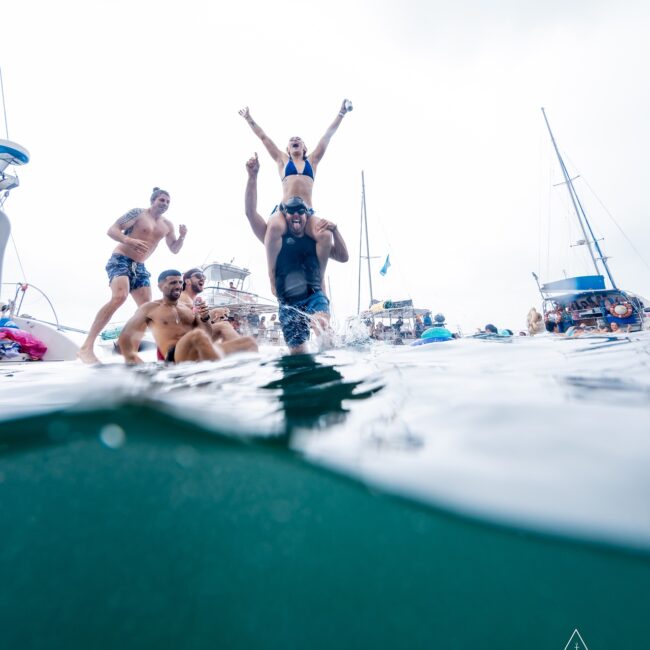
(592, 306)
(394, 321)
(250, 314)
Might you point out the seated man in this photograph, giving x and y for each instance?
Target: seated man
(181, 334)
(193, 283)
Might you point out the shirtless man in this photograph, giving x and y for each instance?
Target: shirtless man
(180, 333)
(303, 303)
(138, 232)
(297, 173)
(193, 282)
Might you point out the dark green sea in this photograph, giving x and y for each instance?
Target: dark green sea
(356, 499)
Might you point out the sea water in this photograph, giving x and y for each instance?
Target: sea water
(383, 495)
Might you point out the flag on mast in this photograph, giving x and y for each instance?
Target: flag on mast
(384, 268)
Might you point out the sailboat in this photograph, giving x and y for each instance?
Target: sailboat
(391, 321)
(589, 301)
(31, 334)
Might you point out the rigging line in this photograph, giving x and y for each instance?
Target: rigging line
(539, 212)
(4, 112)
(207, 257)
(4, 107)
(22, 270)
(566, 224)
(360, 249)
(388, 246)
(548, 227)
(611, 216)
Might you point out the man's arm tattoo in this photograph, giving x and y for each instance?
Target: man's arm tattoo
(129, 216)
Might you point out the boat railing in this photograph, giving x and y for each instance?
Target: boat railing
(229, 297)
(14, 306)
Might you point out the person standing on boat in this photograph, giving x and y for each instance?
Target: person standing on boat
(297, 172)
(297, 279)
(181, 333)
(138, 232)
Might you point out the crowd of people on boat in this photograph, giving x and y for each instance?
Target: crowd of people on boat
(590, 313)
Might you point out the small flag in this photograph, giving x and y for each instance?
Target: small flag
(386, 266)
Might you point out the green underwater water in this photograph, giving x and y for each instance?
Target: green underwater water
(176, 537)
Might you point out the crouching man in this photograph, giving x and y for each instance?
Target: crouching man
(181, 334)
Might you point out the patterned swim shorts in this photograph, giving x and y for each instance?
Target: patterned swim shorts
(119, 265)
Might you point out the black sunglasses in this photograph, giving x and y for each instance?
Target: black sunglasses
(200, 276)
(300, 210)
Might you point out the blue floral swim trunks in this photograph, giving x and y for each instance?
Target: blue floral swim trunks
(119, 265)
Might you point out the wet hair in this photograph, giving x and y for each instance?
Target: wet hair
(491, 328)
(167, 273)
(156, 193)
(293, 202)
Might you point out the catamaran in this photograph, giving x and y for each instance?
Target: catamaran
(589, 301)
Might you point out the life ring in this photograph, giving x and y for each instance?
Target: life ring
(623, 310)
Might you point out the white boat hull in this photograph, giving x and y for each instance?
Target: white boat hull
(59, 345)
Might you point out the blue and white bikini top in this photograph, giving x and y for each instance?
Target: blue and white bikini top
(290, 169)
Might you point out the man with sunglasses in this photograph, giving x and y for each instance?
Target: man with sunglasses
(193, 283)
(181, 333)
(297, 278)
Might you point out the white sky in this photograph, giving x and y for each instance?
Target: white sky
(113, 98)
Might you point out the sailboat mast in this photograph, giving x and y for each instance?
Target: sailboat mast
(360, 250)
(365, 222)
(4, 106)
(590, 239)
